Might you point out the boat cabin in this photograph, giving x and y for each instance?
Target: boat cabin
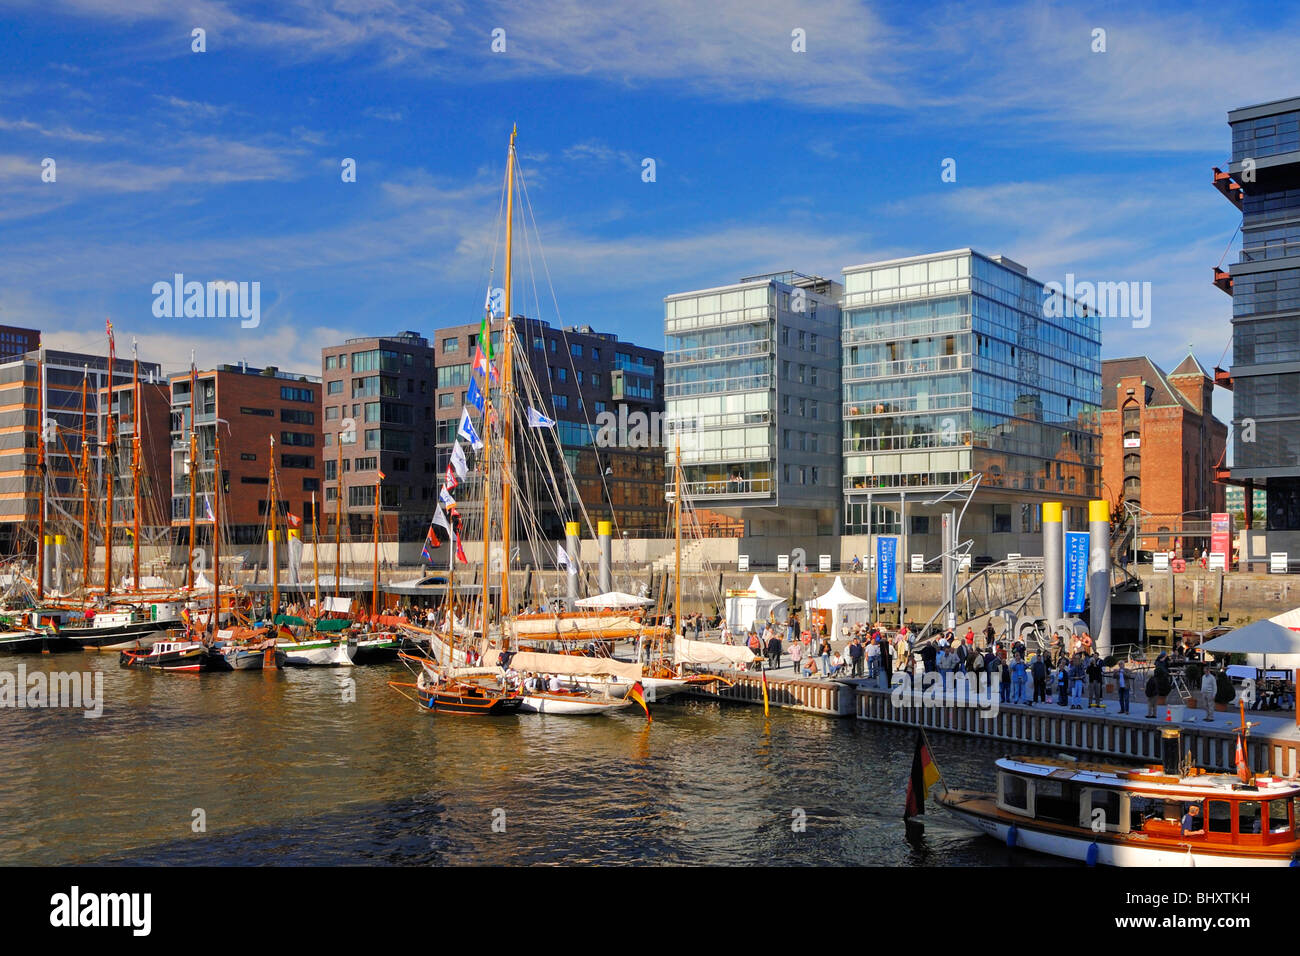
(1125, 800)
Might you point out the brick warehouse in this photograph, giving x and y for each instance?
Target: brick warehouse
(251, 406)
(1161, 443)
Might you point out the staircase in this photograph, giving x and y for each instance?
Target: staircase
(692, 558)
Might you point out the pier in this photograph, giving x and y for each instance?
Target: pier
(1273, 745)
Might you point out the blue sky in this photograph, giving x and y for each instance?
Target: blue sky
(226, 164)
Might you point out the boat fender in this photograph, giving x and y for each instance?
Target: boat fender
(1091, 858)
(1012, 835)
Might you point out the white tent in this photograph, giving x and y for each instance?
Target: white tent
(845, 608)
(1271, 643)
(754, 605)
(613, 599)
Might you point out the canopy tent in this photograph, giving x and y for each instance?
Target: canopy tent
(613, 599)
(842, 607)
(1271, 643)
(754, 605)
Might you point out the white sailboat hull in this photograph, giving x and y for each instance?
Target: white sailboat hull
(570, 706)
(316, 654)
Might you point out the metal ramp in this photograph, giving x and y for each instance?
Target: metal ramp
(1013, 586)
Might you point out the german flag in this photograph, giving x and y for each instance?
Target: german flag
(638, 695)
(925, 774)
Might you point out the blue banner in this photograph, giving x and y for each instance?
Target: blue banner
(1076, 571)
(886, 573)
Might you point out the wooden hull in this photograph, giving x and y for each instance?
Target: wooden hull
(116, 637)
(33, 642)
(381, 651)
(191, 660)
(979, 812)
(468, 701)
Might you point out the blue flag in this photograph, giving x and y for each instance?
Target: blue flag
(475, 394)
(1076, 571)
(886, 573)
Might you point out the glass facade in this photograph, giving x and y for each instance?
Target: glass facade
(739, 361)
(1266, 306)
(951, 367)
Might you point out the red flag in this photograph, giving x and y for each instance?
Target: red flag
(460, 552)
(1243, 770)
(294, 520)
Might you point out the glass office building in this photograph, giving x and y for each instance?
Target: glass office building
(1263, 181)
(751, 380)
(952, 367)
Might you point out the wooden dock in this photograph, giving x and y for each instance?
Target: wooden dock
(1130, 737)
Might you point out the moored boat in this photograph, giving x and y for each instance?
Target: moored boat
(1134, 816)
(184, 656)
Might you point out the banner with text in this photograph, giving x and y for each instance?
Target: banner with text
(886, 572)
(1076, 571)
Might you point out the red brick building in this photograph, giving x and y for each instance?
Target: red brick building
(251, 406)
(1161, 443)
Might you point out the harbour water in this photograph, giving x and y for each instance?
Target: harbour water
(280, 768)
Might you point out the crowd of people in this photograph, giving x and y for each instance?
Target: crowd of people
(1069, 672)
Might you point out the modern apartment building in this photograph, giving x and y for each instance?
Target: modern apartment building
(153, 426)
(1160, 446)
(49, 383)
(265, 417)
(953, 367)
(576, 375)
(1263, 181)
(379, 401)
(751, 380)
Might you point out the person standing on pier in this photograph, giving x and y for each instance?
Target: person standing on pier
(1209, 687)
(773, 649)
(1095, 685)
(1077, 674)
(1062, 682)
(855, 657)
(872, 653)
(886, 663)
(1121, 686)
(796, 655)
(1039, 669)
(1018, 682)
(824, 651)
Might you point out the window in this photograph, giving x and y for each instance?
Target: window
(311, 484)
(331, 413)
(1249, 817)
(265, 412)
(453, 376)
(361, 496)
(575, 350)
(538, 343)
(367, 464)
(1013, 792)
(253, 480)
(1219, 819)
(553, 345)
(297, 461)
(332, 361)
(335, 387)
(290, 394)
(595, 380)
(595, 354)
(247, 456)
(300, 439)
(561, 402)
(331, 469)
(297, 416)
(372, 439)
(372, 411)
(446, 400)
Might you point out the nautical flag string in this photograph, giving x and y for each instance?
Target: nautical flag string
(458, 460)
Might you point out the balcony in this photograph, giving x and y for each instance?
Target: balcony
(732, 488)
(915, 366)
(1230, 188)
(715, 353)
(1222, 280)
